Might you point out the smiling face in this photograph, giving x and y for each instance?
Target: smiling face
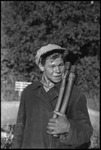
(53, 69)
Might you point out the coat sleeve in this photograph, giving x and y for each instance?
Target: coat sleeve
(19, 127)
(80, 126)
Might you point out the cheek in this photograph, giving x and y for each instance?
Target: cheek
(48, 71)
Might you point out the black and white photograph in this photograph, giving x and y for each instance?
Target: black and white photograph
(50, 74)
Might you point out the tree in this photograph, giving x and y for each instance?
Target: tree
(27, 25)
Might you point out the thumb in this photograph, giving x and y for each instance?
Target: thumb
(58, 113)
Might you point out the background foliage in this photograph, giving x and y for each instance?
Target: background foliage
(28, 25)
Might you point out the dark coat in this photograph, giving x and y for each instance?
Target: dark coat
(36, 108)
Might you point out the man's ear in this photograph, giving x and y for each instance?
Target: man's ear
(41, 67)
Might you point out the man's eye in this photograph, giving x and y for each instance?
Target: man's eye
(61, 65)
(51, 66)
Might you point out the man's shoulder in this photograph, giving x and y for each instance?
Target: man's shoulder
(76, 89)
(75, 93)
(32, 86)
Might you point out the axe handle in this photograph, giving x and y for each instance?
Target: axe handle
(67, 93)
(62, 88)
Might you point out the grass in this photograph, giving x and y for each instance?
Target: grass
(93, 103)
(9, 110)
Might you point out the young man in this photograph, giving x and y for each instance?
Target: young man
(36, 127)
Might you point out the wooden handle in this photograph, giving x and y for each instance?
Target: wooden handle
(67, 92)
(62, 88)
(68, 89)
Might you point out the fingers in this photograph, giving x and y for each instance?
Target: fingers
(52, 132)
(50, 128)
(54, 124)
(52, 120)
(55, 135)
(51, 124)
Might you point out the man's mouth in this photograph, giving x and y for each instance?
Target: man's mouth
(58, 76)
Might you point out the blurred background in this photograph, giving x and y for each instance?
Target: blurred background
(28, 25)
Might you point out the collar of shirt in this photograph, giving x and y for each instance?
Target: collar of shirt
(38, 84)
(46, 84)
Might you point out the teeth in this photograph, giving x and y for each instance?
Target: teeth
(57, 76)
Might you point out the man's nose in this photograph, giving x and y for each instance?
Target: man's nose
(57, 69)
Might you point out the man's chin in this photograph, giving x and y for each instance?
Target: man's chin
(56, 81)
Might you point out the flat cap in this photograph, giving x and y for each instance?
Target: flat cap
(46, 49)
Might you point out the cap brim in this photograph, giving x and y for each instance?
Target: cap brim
(54, 51)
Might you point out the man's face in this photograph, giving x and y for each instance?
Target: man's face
(54, 69)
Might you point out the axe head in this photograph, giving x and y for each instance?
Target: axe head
(67, 65)
(73, 69)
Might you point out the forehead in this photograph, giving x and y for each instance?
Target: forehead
(54, 61)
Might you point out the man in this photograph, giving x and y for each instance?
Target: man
(36, 127)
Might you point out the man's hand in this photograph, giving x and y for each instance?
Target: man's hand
(58, 125)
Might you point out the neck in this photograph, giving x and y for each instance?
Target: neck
(47, 84)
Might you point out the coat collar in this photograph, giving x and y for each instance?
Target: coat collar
(38, 84)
